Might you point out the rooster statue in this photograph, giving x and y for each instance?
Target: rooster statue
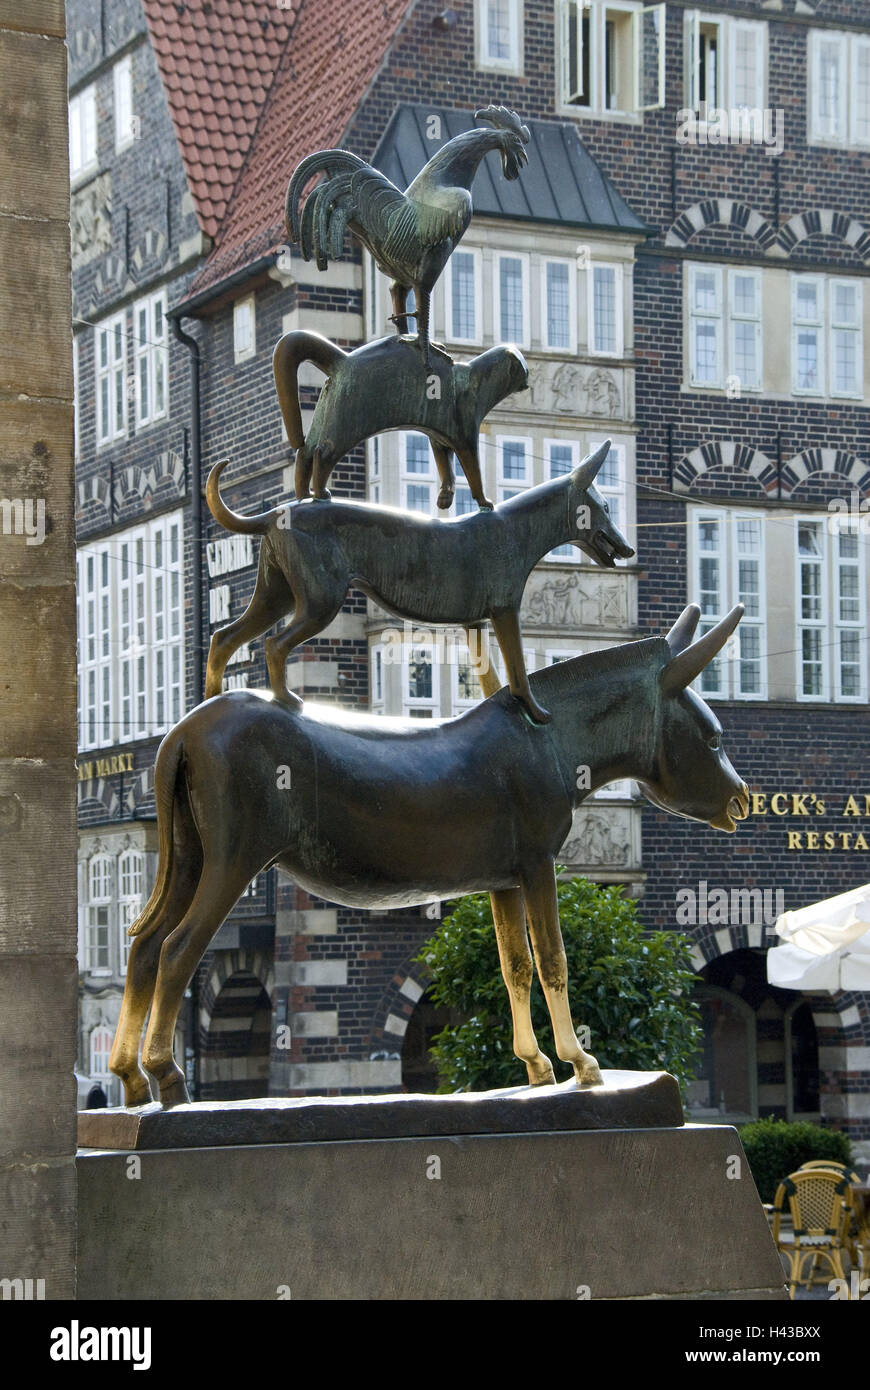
(410, 234)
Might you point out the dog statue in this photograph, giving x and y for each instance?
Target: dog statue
(386, 386)
(459, 572)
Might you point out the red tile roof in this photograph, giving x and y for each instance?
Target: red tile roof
(217, 59)
(312, 64)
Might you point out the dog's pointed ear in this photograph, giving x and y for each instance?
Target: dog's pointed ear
(585, 473)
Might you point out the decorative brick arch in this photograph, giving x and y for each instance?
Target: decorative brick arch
(825, 222)
(228, 963)
(138, 485)
(723, 212)
(93, 495)
(724, 453)
(853, 470)
(101, 793)
(397, 1003)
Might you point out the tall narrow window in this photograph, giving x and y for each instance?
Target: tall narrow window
(808, 335)
(611, 482)
(111, 378)
(99, 1051)
(561, 456)
(827, 86)
(83, 133)
(418, 473)
(131, 885)
(514, 467)
(512, 299)
(499, 32)
(705, 326)
(849, 617)
(605, 310)
(559, 306)
(152, 359)
(419, 681)
(860, 103)
(611, 56)
(244, 329)
(99, 913)
(710, 547)
(123, 81)
(748, 540)
(846, 353)
(812, 603)
(462, 287)
(745, 326)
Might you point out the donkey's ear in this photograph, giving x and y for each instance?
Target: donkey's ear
(687, 665)
(683, 629)
(585, 472)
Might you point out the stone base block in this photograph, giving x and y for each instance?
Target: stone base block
(599, 1214)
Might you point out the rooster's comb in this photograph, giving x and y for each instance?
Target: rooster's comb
(504, 119)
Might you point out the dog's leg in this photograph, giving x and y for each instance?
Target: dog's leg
(478, 649)
(470, 464)
(305, 624)
(542, 912)
(444, 464)
(507, 629)
(269, 602)
(516, 969)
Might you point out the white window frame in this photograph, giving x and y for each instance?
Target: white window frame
(83, 134)
(728, 666)
(410, 479)
(819, 130)
(151, 359)
(484, 60)
(513, 485)
(830, 621)
(96, 903)
(728, 27)
(115, 367)
(122, 75)
(569, 348)
(420, 702)
(77, 419)
(619, 493)
(818, 324)
(242, 351)
(597, 11)
(377, 676)
(859, 43)
(619, 350)
(449, 335)
(462, 657)
(99, 1034)
(857, 329)
(131, 869)
(571, 555)
(501, 332)
(733, 318)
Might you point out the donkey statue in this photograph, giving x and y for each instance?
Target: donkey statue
(385, 813)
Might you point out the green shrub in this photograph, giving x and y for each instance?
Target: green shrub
(630, 987)
(775, 1148)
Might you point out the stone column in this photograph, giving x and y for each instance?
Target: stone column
(38, 976)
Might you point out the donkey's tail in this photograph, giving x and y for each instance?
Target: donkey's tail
(233, 521)
(291, 350)
(165, 778)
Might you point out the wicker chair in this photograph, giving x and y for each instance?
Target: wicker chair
(857, 1239)
(818, 1201)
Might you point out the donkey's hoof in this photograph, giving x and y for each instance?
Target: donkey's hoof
(137, 1090)
(588, 1073)
(541, 1072)
(173, 1091)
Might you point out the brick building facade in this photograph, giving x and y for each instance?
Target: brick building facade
(735, 432)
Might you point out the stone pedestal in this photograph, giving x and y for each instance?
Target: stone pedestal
(588, 1212)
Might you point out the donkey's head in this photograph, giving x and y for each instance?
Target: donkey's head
(692, 776)
(594, 529)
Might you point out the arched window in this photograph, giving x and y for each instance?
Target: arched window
(99, 913)
(131, 884)
(726, 1074)
(100, 1047)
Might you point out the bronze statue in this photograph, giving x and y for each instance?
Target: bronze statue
(457, 572)
(384, 814)
(385, 386)
(410, 234)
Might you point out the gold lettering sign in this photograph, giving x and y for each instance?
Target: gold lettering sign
(105, 767)
(809, 804)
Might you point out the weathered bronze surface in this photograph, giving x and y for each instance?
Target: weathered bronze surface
(410, 234)
(624, 1100)
(423, 569)
(385, 813)
(386, 386)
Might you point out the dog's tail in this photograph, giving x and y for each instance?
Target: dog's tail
(290, 351)
(233, 521)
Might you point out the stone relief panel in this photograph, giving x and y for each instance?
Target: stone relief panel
(574, 388)
(603, 838)
(91, 221)
(578, 599)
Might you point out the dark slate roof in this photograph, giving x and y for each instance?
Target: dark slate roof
(561, 183)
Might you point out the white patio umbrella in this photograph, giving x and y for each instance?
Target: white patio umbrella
(826, 946)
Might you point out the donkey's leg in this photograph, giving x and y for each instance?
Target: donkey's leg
(270, 600)
(506, 624)
(479, 652)
(516, 969)
(470, 465)
(542, 910)
(444, 464)
(219, 889)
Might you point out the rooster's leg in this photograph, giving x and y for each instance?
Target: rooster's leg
(399, 296)
(423, 298)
